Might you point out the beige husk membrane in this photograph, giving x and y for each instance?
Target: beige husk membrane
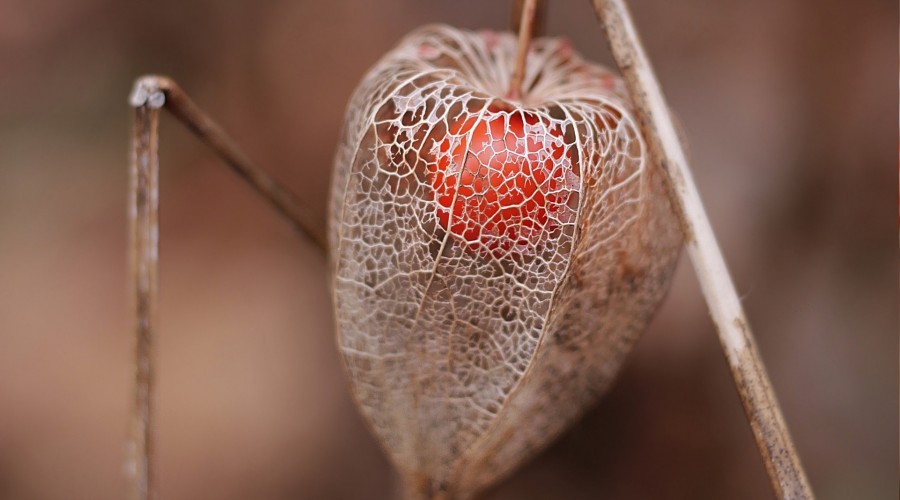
(464, 359)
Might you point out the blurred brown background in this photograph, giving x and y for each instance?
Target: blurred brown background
(790, 108)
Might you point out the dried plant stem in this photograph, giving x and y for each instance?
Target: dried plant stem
(526, 29)
(144, 222)
(149, 96)
(540, 17)
(757, 396)
(159, 91)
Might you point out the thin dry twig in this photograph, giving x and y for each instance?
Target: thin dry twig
(150, 95)
(160, 91)
(540, 17)
(775, 445)
(526, 28)
(144, 221)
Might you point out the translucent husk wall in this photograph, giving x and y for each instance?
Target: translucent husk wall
(473, 335)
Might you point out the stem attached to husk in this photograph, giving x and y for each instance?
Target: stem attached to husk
(526, 29)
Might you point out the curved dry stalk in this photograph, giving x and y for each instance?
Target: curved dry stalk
(762, 410)
(150, 95)
(162, 92)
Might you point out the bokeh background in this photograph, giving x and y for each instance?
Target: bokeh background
(790, 108)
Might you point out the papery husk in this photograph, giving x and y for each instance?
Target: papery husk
(465, 362)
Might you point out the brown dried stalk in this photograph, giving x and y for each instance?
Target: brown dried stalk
(160, 91)
(144, 221)
(150, 94)
(775, 445)
(526, 29)
(540, 17)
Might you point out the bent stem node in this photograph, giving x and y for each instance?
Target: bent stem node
(150, 95)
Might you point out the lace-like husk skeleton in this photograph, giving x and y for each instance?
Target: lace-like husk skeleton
(470, 347)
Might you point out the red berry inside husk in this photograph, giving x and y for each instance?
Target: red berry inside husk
(500, 180)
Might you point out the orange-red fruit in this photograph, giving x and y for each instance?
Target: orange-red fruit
(499, 180)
